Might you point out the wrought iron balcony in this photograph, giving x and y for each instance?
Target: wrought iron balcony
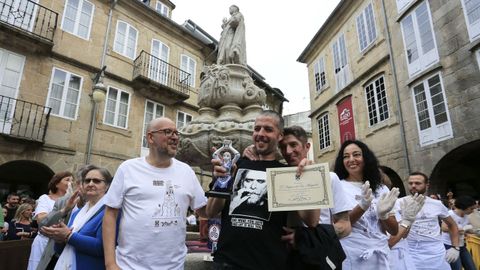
(23, 120)
(30, 17)
(160, 80)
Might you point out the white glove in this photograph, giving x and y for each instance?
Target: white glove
(410, 208)
(467, 227)
(386, 203)
(452, 255)
(366, 197)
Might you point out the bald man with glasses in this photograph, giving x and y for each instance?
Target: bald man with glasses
(154, 194)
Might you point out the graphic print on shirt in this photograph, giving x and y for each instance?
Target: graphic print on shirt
(249, 205)
(370, 216)
(167, 214)
(425, 225)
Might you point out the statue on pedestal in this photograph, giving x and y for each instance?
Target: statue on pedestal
(228, 98)
(231, 47)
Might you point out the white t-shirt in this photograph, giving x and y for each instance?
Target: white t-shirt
(461, 222)
(424, 239)
(154, 203)
(340, 201)
(367, 246)
(44, 205)
(426, 226)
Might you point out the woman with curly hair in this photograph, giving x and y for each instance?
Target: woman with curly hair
(371, 217)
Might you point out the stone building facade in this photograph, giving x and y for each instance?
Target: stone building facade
(402, 76)
(55, 59)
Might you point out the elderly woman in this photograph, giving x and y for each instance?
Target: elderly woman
(367, 245)
(20, 226)
(83, 236)
(57, 187)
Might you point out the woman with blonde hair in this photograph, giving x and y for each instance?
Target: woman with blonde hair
(20, 226)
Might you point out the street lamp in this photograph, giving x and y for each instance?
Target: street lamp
(98, 95)
(99, 92)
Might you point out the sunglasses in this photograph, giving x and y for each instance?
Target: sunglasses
(97, 181)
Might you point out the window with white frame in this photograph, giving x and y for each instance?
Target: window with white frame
(77, 18)
(183, 119)
(158, 70)
(64, 93)
(323, 131)
(188, 65)
(152, 110)
(116, 108)
(376, 101)
(419, 40)
(320, 75)
(366, 29)
(431, 109)
(125, 40)
(402, 4)
(340, 63)
(162, 9)
(471, 9)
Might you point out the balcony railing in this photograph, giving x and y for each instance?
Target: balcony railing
(29, 16)
(157, 70)
(23, 120)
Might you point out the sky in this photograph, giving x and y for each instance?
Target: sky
(277, 32)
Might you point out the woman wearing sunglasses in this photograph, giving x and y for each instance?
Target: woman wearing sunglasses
(82, 239)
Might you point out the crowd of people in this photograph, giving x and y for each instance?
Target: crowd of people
(137, 219)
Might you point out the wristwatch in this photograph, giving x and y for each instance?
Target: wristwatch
(403, 224)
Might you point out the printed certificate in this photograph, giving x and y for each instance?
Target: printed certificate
(312, 190)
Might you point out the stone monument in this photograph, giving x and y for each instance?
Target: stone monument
(228, 99)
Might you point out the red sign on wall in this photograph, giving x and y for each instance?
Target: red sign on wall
(345, 119)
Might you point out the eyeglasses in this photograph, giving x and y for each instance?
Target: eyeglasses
(96, 181)
(168, 132)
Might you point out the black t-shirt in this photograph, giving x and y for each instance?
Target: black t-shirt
(250, 235)
(10, 213)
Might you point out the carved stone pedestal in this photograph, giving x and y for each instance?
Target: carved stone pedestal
(229, 102)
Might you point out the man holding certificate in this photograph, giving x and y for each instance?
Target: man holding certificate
(294, 148)
(251, 235)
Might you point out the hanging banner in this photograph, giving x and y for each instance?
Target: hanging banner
(345, 119)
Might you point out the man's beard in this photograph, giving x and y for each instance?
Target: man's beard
(165, 152)
(268, 150)
(422, 191)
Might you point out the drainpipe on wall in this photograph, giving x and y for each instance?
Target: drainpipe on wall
(99, 78)
(397, 91)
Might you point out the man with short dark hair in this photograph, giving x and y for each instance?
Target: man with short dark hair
(463, 206)
(253, 241)
(294, 148)
(424, 239)
(12, 204)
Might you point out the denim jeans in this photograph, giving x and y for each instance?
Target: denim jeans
(465, 260)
